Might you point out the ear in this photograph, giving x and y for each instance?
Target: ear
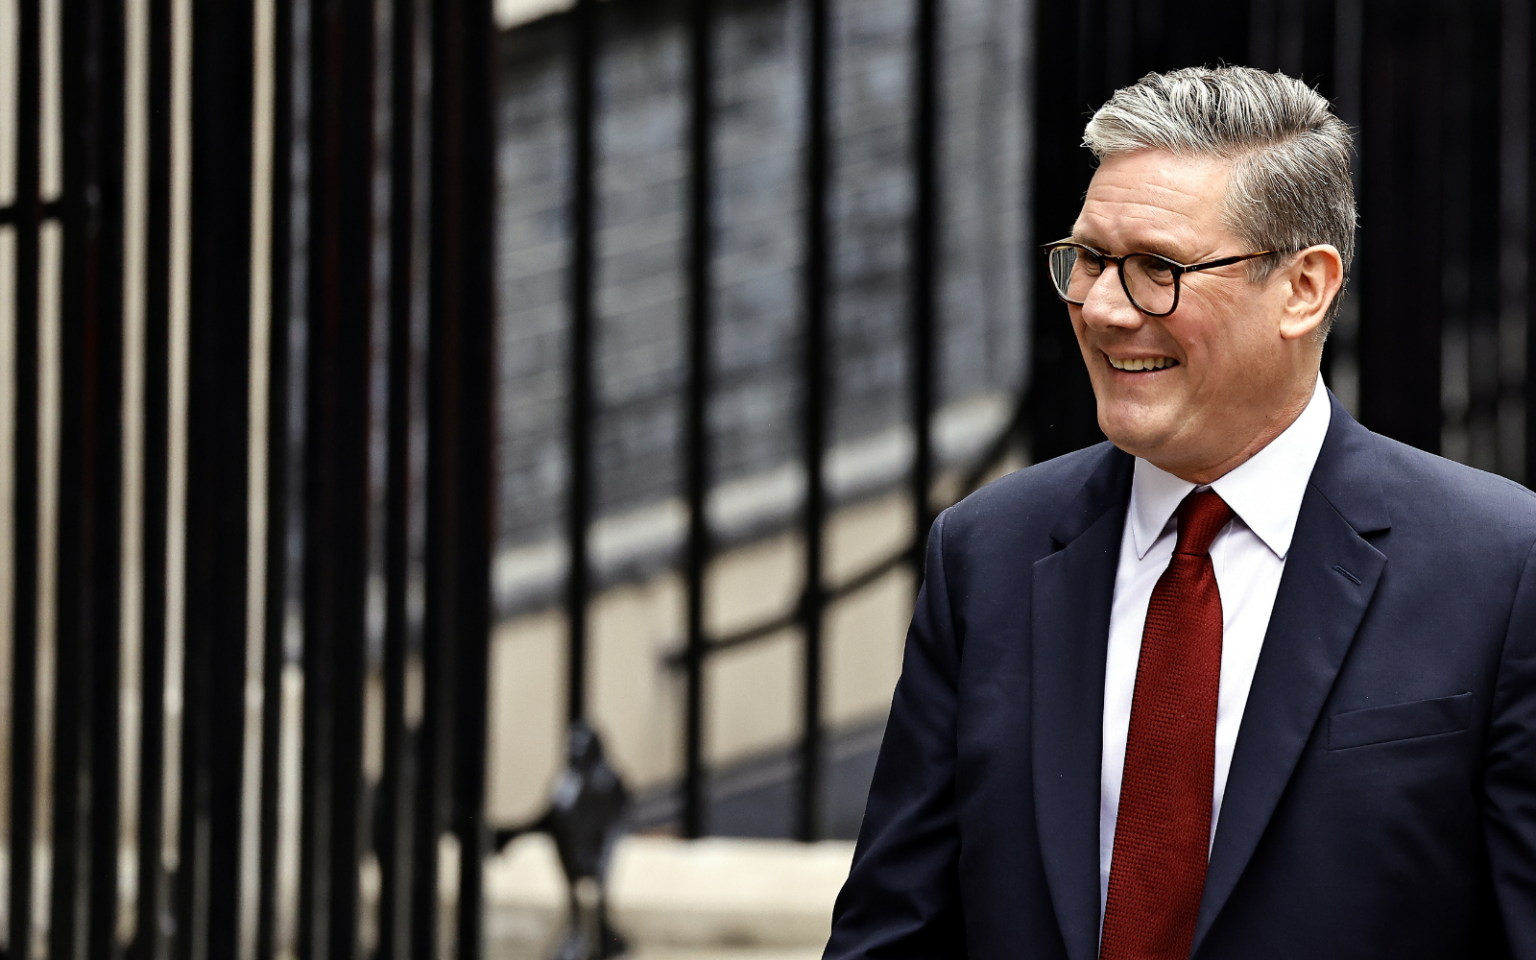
(1310, 282)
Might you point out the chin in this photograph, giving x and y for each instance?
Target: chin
(1134, 431)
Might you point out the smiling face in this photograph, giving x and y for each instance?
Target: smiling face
(1199, 391)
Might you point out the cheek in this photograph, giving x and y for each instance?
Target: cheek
(1223, 344)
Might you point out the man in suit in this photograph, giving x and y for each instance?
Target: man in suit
(1248, 680)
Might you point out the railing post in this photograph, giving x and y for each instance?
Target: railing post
(1400, 267)
(814, 414)
(468, 210)
(460, 520)
(927, 254)
(404, 525)
(148, 940)
(583, 228)
(1063, 416)
(86, 694)
(700, 290)
(339, 318)
(285, 406)
(24, 518)
(218, 421)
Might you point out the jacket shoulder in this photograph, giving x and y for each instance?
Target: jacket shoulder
(1424, 487)
(1030, 501)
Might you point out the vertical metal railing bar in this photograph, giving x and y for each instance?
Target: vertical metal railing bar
(814, 416)
(927, 249)
(279, 463)
(1514, 225)
(1029, 172)
(314, 773)
(1116, 41)
(24, 543)
(1151, 36)
(470, 206)
(104, 468)
(1520, 35)
(582, 276)
(155, 471)
(191, 891)
(436, 799)
(275, 603)
(1262, 34)
(1066, 79)
(1513, 211)
(324, 590)
(697, 429)
(89, 473)
(1309, 51)
(434, 794)
(1456, 243)
(1400, 335)
(1517, 220)
(393, 833)
(1340, 358)
(1488, 349)
(1291, 38)
(436, 732)
(219, 300)
(1318, 36)
(348, 253)
(291, 909)
(65, 850)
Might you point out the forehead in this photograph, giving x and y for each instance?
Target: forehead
(1154, 201)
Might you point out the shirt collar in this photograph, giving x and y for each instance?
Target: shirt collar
(1265, 491)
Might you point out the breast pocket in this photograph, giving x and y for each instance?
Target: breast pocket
(1400, 721)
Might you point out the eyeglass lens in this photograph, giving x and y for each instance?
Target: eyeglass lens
(1151, 282)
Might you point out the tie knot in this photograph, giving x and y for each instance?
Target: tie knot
(1201, 517)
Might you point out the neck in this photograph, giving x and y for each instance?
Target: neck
(1213, 470)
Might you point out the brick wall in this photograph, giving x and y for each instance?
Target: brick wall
(642, 238)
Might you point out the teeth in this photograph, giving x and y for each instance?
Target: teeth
(1142, 363)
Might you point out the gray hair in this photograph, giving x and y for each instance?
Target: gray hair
(1290, 186)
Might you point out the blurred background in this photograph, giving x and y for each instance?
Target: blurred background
(440, 436)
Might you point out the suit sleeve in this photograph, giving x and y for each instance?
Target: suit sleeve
(1510, 774)
(902, 897)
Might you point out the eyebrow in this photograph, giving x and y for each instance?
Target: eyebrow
(1156, 247)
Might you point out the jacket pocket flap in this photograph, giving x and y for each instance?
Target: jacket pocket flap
(1400, 721)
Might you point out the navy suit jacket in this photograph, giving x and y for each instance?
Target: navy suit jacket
(1382, 795)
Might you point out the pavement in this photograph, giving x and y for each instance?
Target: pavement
(712, 899)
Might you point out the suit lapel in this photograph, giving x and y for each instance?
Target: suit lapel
(1330, 576)
(1073, 590)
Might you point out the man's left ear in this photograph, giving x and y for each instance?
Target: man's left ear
(1312, 280)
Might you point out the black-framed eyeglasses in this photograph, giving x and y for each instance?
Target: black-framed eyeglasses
(1150, 281)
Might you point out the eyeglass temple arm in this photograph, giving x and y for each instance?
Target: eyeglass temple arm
(1226, 261)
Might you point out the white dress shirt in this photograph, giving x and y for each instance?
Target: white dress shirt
(1248, 555)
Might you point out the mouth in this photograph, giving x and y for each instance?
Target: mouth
(1141, 364)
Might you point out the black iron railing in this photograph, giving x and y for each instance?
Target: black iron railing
(430, 341)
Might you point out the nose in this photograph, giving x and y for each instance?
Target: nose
(1107, 305)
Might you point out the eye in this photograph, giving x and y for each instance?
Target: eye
(1156, 270)
(1091, 263)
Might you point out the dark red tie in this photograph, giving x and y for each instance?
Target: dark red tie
(1162, 834)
